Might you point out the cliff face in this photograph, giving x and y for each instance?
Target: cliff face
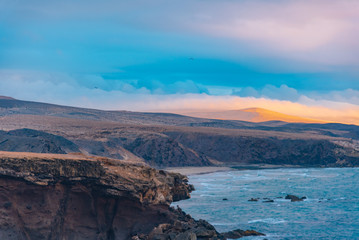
(46, 196)
(111, 177)
(235, 150)
(159, 147)
(161, 150)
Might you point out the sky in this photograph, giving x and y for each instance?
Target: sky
(298, 57)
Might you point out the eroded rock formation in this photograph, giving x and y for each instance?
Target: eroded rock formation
(53, 196)
(47, 196)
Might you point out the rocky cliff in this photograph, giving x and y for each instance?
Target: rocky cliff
(251, 149)
(52, 196)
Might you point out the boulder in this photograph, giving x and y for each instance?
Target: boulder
(253, 200)
(294, 198)
(238, 233)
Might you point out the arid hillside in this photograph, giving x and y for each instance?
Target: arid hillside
(168, 140)
(252, 115)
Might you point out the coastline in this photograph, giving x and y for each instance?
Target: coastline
(256, 200)
(188, 171)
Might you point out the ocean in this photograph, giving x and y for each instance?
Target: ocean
(331, 210)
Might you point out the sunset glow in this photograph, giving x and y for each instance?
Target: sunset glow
(294, 57)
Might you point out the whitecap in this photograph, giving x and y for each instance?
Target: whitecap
(268, 220)
(222, 224)
(207, 195)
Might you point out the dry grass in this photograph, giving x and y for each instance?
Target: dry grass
(92, 129)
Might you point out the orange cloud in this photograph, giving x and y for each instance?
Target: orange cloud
(322, 110)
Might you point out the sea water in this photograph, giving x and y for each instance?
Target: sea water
(331, 210)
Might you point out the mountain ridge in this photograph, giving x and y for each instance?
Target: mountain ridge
(172, 140)
(256, 115)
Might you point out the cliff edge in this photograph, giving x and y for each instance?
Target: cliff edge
(54, 196)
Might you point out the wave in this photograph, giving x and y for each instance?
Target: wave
(268, 220)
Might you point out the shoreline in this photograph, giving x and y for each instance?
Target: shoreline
(188, 171)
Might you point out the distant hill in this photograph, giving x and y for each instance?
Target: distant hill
(169, 140)
(8, 98)
(28, 140)
(263, 115)
(253, 115)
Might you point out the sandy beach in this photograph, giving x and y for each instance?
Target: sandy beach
(203, 170)
(198, 170)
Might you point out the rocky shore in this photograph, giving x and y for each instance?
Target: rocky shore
(54, 196)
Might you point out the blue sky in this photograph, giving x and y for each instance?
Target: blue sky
(89, 52)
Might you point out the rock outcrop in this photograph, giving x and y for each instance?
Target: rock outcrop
(238, 233)
(54, 196)
(294, 198)
(50, 196)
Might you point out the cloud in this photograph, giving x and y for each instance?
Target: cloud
(179, 87)
(63, 88)
(246, 92)
(305, 107)
(67, 90)
(273, 52)
(319, 31)
(269, 91)
(346, 96)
